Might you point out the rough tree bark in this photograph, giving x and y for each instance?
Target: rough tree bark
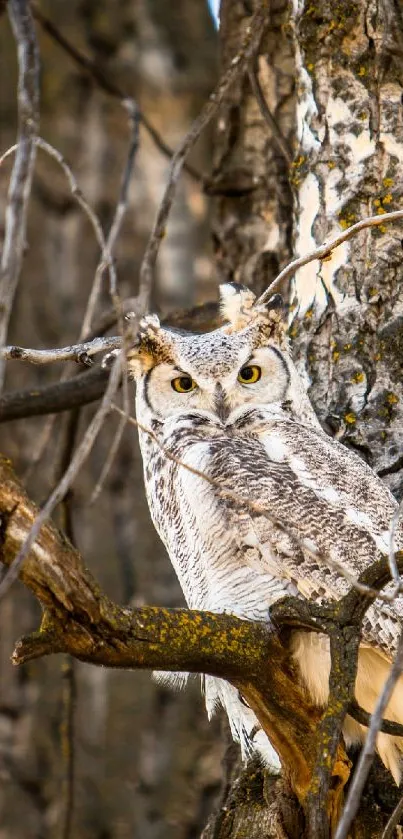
(327, 154)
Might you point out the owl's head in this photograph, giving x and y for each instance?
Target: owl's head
(244, 364)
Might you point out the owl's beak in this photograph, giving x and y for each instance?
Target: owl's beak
(221, 404)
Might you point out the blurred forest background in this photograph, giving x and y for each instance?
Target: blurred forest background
(287, 164)
(146, 761)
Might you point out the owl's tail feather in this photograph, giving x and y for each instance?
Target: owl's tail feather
(311, 652)
(244, 725)
(176, 681)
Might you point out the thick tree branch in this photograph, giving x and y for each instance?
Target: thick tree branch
(79, 619)
(89, 386)
(51, 399)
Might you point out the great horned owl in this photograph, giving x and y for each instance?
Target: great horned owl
(231, 405)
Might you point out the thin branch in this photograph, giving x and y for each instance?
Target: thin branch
(7, 153)
(364, 718)
(324, 251)
(81, 353)
(105, 261)
(120, 212)
(105, 83)
(125, 330)
(267, 115)
(394, 821)
(110, 458)
(21, 179)
(236, 69)
(64, 484)
(86, 387)
(368, 751)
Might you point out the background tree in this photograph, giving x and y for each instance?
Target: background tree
(307, 142)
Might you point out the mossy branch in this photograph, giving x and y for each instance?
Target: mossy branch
(79, 619)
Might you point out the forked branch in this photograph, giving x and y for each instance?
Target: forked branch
(79, 619)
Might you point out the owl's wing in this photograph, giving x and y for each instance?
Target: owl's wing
(319, 514)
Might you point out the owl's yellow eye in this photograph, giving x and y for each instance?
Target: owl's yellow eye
(183, 384)
(249, 374)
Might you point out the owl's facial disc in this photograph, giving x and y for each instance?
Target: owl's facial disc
(215, 386)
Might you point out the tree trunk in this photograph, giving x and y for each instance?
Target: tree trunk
(145, 762)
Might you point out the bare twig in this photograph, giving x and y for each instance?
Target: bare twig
(364, 718)
(81, 353)
(105, 83)
(110, 458)
(64, 484)
(121, 207)
(394, 821)
(267, 115)
(237, 67)
(106, 260)
(117, 302)
(324, 251)
(8, 153)
(21, 178)
(368, 751)
(109, 244)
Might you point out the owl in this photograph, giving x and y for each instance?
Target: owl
(256, 501)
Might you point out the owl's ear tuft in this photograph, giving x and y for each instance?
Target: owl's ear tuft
(275, 302)
(236, 305)
(149, 327)
(239, 309)
(153, 346)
